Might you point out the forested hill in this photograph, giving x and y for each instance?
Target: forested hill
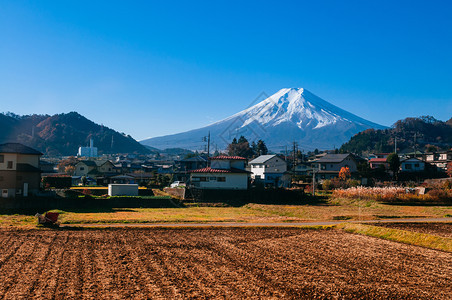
(62, 134)
(423, 133)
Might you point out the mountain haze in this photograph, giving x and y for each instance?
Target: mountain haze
(291, 114)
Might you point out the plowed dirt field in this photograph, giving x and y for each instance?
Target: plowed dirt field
(439, 229)
(216, 263)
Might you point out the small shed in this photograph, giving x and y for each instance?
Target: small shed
(123, 190)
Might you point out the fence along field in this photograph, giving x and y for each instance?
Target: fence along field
(216, 263)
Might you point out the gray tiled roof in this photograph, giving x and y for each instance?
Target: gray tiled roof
(17, 148)
(332, 158)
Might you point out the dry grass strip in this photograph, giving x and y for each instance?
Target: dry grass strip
(402, 236)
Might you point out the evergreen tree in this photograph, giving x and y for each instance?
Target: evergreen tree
(261, 148)
(242, 139)
(394, 163)
(240, 148)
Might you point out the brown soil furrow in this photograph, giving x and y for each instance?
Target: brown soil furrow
(68, 282)
(251, 263)
(190, 268)
(30, 275)
(148, 288)
(15, 266)
(50, 270)
(241, 262)
(219, 269)
(103, 255)
(9, 251)
(345, 267)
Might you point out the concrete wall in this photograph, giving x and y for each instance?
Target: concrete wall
(123, 189)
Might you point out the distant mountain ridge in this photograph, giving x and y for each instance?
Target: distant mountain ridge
(423, 134)
(62, 134)
(291, 114)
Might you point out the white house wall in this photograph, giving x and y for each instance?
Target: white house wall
(273, 165)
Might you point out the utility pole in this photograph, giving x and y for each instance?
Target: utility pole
(313, 180)
(207, 139)
(294, 154)
(395, 145)
(208, 145)
(285, 156)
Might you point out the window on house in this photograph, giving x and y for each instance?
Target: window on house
(2, 158)
(416, 165)
(408, 166)
(331, 166)
(323, 167)
(196, 179)
(10, 165)
(221, 179)
(202, 178)
(213, 178)
(82, 168)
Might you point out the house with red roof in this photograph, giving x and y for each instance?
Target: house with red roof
(224, 172)
(375, 163)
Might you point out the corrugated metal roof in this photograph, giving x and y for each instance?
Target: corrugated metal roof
(262, 159)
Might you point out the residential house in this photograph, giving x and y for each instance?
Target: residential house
(412, 165)
(20, 174)
(375, 163)
(378, 155)
(329, 166)
(94, 168)
(83, 167)
(271, 170)
(225, 172)
(438, 159)
(47, 167)
(303, 169)
(187, 165)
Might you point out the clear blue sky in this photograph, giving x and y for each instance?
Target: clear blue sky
(150, 69)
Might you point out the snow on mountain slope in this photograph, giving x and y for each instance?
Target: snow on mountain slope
(291, 114)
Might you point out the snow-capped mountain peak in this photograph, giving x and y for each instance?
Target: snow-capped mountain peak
(291, 114)
(298, 106)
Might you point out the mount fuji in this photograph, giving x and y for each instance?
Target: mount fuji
(290, 115)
